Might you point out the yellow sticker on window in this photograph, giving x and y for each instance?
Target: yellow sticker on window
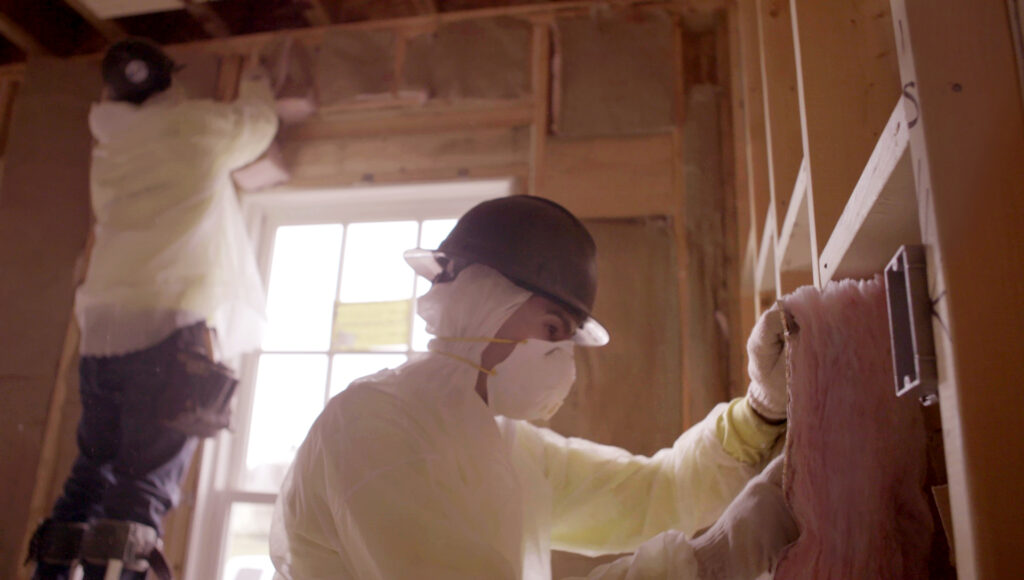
(371, 325)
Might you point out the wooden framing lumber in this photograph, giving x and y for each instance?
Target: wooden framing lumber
(734, 205)
(211, 22)
(753, 98)
(960, 94)
(744, 207)
(794, 250)
(540, 85)
(20, 37)
(244, 44)
(764, 273)
(781, 104)
(227, 77)
(847, 82)
(422, 120)
(881, 214)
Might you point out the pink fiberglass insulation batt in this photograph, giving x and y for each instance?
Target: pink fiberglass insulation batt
(855, 465)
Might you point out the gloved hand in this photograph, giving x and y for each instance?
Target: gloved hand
(767, 393)
(750, 534)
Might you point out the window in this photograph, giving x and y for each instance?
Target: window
(340, 305)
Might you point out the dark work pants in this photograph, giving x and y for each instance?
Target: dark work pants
(129, 465)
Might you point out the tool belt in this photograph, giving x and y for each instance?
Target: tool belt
(136, 545)
(56, 542)
(197, 398)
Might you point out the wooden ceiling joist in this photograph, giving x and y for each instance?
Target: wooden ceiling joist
(20, 37)
(211, 22)
(110, 30)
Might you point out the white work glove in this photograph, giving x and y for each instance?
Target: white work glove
(748, 537)
(767, 393)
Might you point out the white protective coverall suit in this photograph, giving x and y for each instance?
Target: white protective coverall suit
(170, 246)
(408, 473)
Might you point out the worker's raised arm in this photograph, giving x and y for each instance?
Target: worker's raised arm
(607, 500)
(252, 119)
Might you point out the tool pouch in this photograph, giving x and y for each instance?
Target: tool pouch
(197, 399)
(56, 542)
(136, 545)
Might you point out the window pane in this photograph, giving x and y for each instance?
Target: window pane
(247, 556)
(373, 269)
(289, 397)
(349, 367)
(303, 278)
(434, 232)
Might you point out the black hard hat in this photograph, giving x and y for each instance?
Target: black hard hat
(532, 241)
(134, 69)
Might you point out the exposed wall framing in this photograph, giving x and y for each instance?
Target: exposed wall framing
(909, 122)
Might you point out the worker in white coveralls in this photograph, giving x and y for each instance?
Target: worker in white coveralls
(171, 285)
(432, 470)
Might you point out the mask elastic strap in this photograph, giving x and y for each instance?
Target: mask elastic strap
(478, 339)
(463, 359)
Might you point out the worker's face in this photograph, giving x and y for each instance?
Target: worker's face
(538, 318)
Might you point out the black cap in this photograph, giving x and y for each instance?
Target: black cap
(134, 69)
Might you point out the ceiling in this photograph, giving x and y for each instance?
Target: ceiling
(73, 27)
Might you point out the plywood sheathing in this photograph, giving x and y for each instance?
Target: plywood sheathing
(614, 74)
(44, 219)
(472, 59)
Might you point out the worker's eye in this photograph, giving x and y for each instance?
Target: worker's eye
(552, 331)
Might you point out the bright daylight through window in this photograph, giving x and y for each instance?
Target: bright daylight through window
(340, 305)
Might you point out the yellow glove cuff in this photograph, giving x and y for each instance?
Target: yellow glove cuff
(744, 435)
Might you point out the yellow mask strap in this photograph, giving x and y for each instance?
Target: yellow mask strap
(478, 339)
(463, 359)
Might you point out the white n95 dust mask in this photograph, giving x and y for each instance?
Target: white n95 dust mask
(533, 381)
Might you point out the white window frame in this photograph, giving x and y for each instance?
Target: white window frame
(223, 457)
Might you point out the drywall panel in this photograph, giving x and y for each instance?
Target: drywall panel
(471, 59)
(614, 75)
(44, 219)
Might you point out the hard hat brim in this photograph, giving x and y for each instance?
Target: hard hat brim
(424, 263)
